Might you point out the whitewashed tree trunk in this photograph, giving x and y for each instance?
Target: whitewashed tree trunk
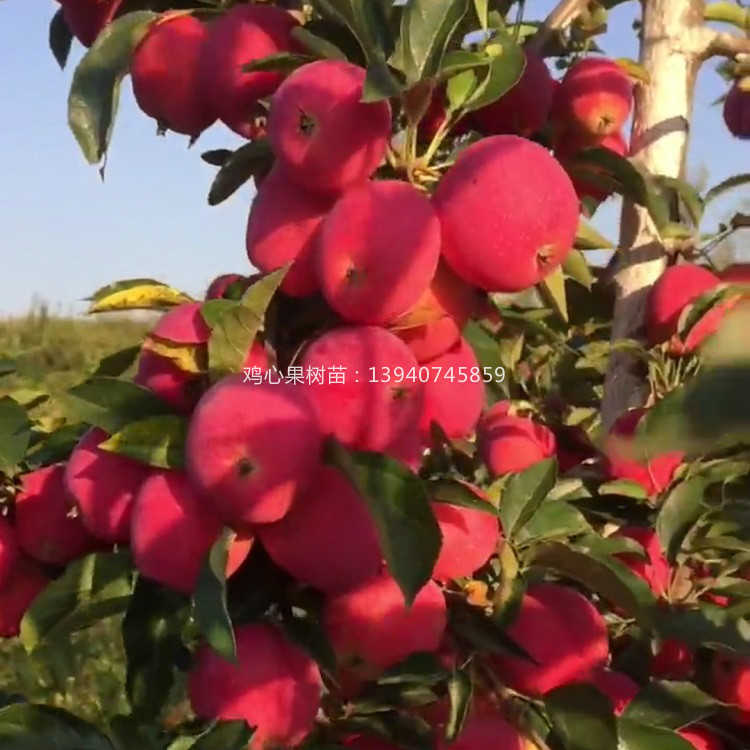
(672, 48)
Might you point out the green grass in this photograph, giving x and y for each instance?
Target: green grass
(85, 675)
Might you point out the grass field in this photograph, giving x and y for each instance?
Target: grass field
(52, 354)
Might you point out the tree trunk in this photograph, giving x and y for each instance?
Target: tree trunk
(671, 52)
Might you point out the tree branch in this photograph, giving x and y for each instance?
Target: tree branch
(560, 17)
(723, 44)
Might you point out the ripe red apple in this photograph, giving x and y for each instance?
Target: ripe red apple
(328, 138)
(618, 687)
(87, 18)
(368, 407)
(328, 539)
(673, 660)
(172, 531)
(737, 111)
(730, 680)
(565, 635)
(242, 35)
(509, 214)
(737, 273)
(678, 287)
(372, 269)
(48, 526)
(571, 144)
(284, 227)
(655, 570)
(164, 69)
(9, 552)
(454, 393)
(274, 686)
(595, 96)
(509, 444)
(166, 379)
(25, 583)
(701, 738)
(655, 474)
(104, 486)
(250, 448)
(435, 323)
(525, 108)
(487, 731)
(182, 324)
(372, 623)
(470, 538)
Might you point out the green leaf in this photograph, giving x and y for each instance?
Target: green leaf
(587, 238)
(213, 309)
(380, 83)
(421, 667)
(249, 160)
(114, 365)
(679, 512)
(111, 403)
(427, 26)
(459, 88)
(633, 183)
(729, 184)
(308, 634)
(60, 38)
(460, 60)
(225, 735)
(284, 62)
(90, 589)
(624, 488)
(634, 736)
(582, 717)
(135, 294)
(689, 197)
(460, 690)
(7, 366)
(555, 519)
(152, 637)
(671, 705)
(95, 90)
(481, 8)
(55, 446)
(216, 157)
(576, 267)
(397, 500)
(505, 70)
(321, 48)
(235, 331)
(155, 441)
(453, 492)
(15, 434)
(524, 493)
(552, 290)
(607, 576)
(24, 726)
(726, 12)
(211, 614)
(709, 626)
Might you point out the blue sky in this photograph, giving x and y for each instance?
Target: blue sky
(64, 232)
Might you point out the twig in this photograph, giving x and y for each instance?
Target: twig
(560, 17)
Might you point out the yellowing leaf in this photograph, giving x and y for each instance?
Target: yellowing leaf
(633, 70)
(136, 294)
(188, 357)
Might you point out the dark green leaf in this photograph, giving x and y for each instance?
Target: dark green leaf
(116, 364)
(380, 84)
(397, 500)
(154, 441)
(421, 667)
(225, 735)
(459, 694)
(284, 62)
(56, 446)
(307, 633)
(680, 510)
(634, 736)
(111, 403)
(671, 705)
(90, 589)
(505, 70)
(254, 158)
(555, 519)
(211, 614)
(687, 194)
(582, 717)
(234, 333)
(24, 726)
(524, 493)
(427, 26)
(453, 492)
(216, 157)
(152, 637)
(95, 91)
(725, 185)
(607, 576)
(15, 433)
(321, 48)
(60, 38)
(709, 626)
